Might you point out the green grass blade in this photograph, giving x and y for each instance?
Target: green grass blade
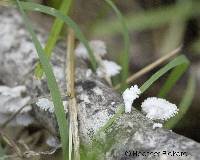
(2, 151)
(125, 59)
(53, 12)
(149, 19)
(180, 60)
(172, 79)
(119, 112)
(184, 104)
(53, 36)
(173, 37)
(52, 85)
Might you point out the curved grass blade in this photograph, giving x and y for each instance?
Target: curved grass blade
(149, 19)
(125, 60)
(178, 61)
(52, 85)
(119, 112)
(53, 36)
(172, 79)
(184, 104)
(53, 12)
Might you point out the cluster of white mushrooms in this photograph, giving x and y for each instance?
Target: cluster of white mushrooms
(156, 109)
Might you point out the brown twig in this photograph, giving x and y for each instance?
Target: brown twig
(11, 143)
(73, 123)
(150, 67)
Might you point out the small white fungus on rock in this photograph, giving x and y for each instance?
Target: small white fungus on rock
(158, 108)
(108, 68)
(97, 46)
(129, 95)
(157, 125)
(88, 73)
(47, 105)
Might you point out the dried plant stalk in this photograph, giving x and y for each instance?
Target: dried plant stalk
(73, 123)
(150, 67)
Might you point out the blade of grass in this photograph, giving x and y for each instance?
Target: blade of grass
(196, 46)
(125, 59)
(173, 37)
(53, 36)
(148, 19)
(172, 79)
(53, 12)
(119, 112)
(184, 104)
(2, 151)
(178, 61)
(52, 85)
(72, 109)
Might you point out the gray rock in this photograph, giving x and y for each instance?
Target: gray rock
(132, 134)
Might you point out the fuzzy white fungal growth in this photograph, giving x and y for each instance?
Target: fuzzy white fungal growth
(157, 125)
(47, 105)
(129, 95)
(97, 46)
(88, 73)
(108, 68)
(158, 108)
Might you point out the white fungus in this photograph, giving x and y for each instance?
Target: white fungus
(47, 105)
(108, 68)
(157, 125)
(88, 73)
(158, 108)
(129, 95)
(97, 46)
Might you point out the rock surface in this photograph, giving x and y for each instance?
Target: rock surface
(134, 136)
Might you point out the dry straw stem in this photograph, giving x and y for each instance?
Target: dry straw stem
(73, 123)
(11, 143)
(150, 67)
